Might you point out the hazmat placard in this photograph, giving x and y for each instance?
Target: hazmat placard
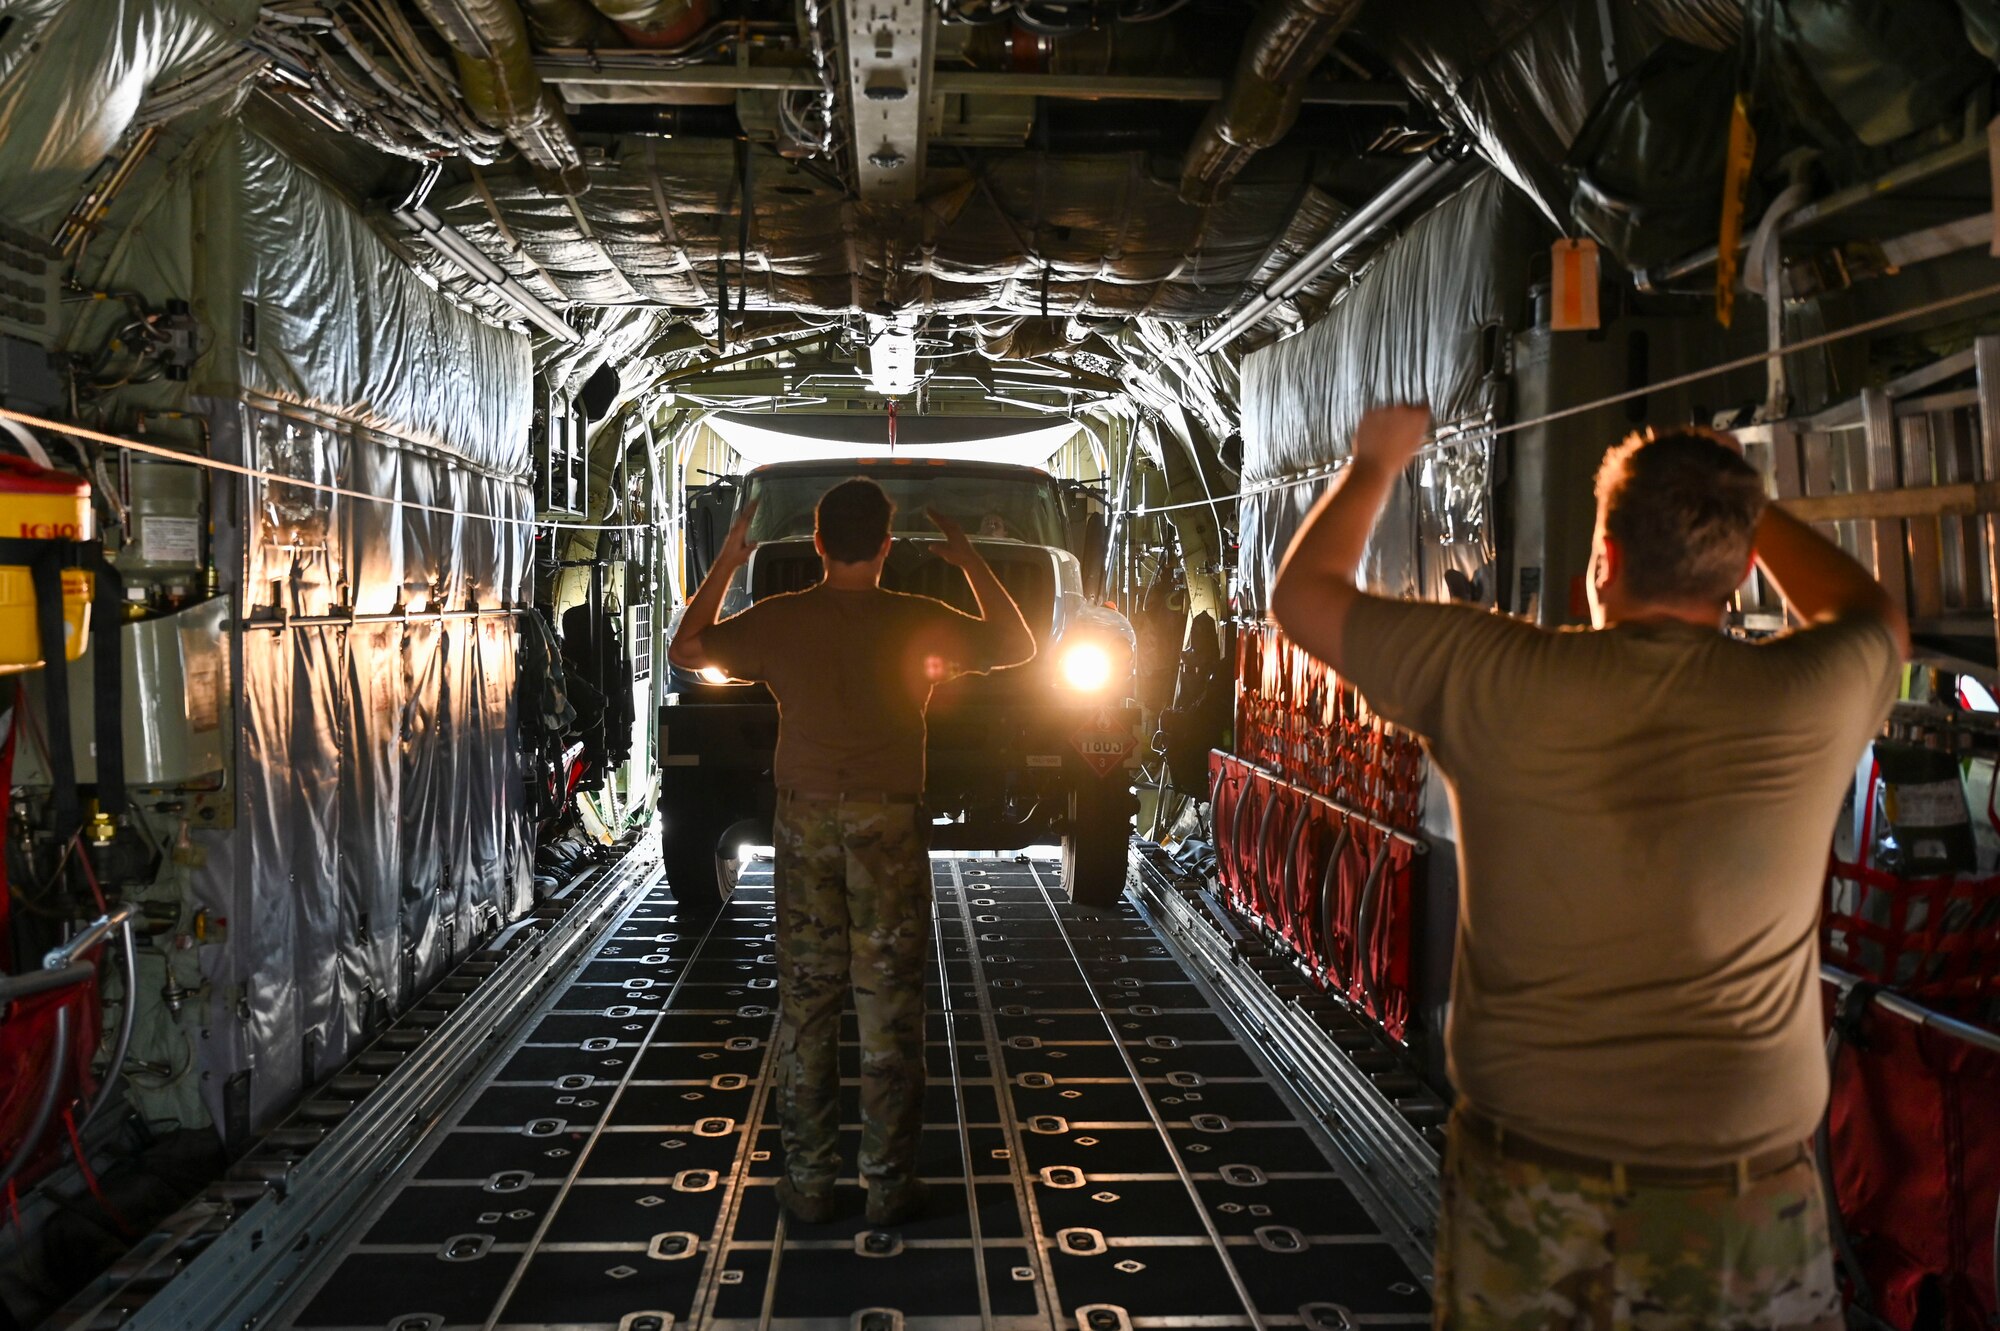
(1105, 741)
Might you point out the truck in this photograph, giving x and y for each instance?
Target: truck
(1035, 754)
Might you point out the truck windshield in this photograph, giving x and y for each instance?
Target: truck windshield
(1017, 508)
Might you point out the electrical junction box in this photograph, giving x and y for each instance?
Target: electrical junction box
(28, 382)
(30, 287)
(178, 731)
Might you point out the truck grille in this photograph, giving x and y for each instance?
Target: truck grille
(1029, 578)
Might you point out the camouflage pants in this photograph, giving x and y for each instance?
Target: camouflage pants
(1523, 1247)
(853, 887)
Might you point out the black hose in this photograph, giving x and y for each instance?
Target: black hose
(129, 950)
(1261, 856)
(14, 988)
(58, 1055)
(1329, 888)
(1364, 924)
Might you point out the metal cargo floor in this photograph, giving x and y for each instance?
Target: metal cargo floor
(1102, 1151)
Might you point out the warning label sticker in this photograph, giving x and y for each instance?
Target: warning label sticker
(1105, 741)
(169, 540)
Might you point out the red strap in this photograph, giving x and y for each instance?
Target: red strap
(90, 1176)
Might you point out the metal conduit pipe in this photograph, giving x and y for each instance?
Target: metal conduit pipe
(1286, 40)
(656, 22)
(1395, 197)
(489, 43)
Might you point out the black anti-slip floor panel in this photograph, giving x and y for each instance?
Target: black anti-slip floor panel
(1102, 1151)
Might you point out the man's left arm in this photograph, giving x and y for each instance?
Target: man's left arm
(1000, 631)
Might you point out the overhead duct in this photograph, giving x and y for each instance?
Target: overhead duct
(656, 23)
(565, 24)
(489, 41)
(1286, 40)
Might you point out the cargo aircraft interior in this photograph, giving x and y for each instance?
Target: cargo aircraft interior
(391, 935)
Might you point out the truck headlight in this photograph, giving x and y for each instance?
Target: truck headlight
(1085, 666)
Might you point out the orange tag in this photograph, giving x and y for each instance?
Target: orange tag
(1735, 181)
(1573, 286)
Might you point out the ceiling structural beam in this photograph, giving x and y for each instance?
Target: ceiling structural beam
(889, 50)
(1364, 222)
(452, 246)
(766, 381)
(1144, 88)
(629, 70)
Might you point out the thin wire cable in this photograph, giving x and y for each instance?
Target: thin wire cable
(254, 473)
(273, 478)
(1484, 433)
(1304, 478)
(594, 526)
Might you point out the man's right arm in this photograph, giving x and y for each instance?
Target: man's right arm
(687, 650)
(1819, 580)
(1316, 588)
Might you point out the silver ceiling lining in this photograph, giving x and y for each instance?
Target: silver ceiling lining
(1099, 235)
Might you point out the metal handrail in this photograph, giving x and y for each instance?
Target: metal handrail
(1891, 1001)
(1909, 1010)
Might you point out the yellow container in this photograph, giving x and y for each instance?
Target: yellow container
(39, 504)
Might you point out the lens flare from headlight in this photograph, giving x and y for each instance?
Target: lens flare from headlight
(1086, 667)
(711, 675)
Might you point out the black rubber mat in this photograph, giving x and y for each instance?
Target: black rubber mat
(1102, 1150)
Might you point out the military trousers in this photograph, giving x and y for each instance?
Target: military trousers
(853, 887)
(1526, 1246)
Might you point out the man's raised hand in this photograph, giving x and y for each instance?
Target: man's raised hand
(957, 549)
(736, 546)
(1392, 436)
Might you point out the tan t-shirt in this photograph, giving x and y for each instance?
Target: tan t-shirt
(1644, 819)
(852, 672)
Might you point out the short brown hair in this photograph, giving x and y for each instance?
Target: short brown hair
(1683, 507)
(853, 520)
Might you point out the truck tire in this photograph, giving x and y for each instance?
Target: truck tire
(1096, 848)
(690, 838)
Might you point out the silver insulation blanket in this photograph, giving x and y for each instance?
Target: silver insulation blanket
(1520, 76)
(379, 828)
(76, 74)
(1112, 236)
(381, 811)
(1424, 323)
(311, 306)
